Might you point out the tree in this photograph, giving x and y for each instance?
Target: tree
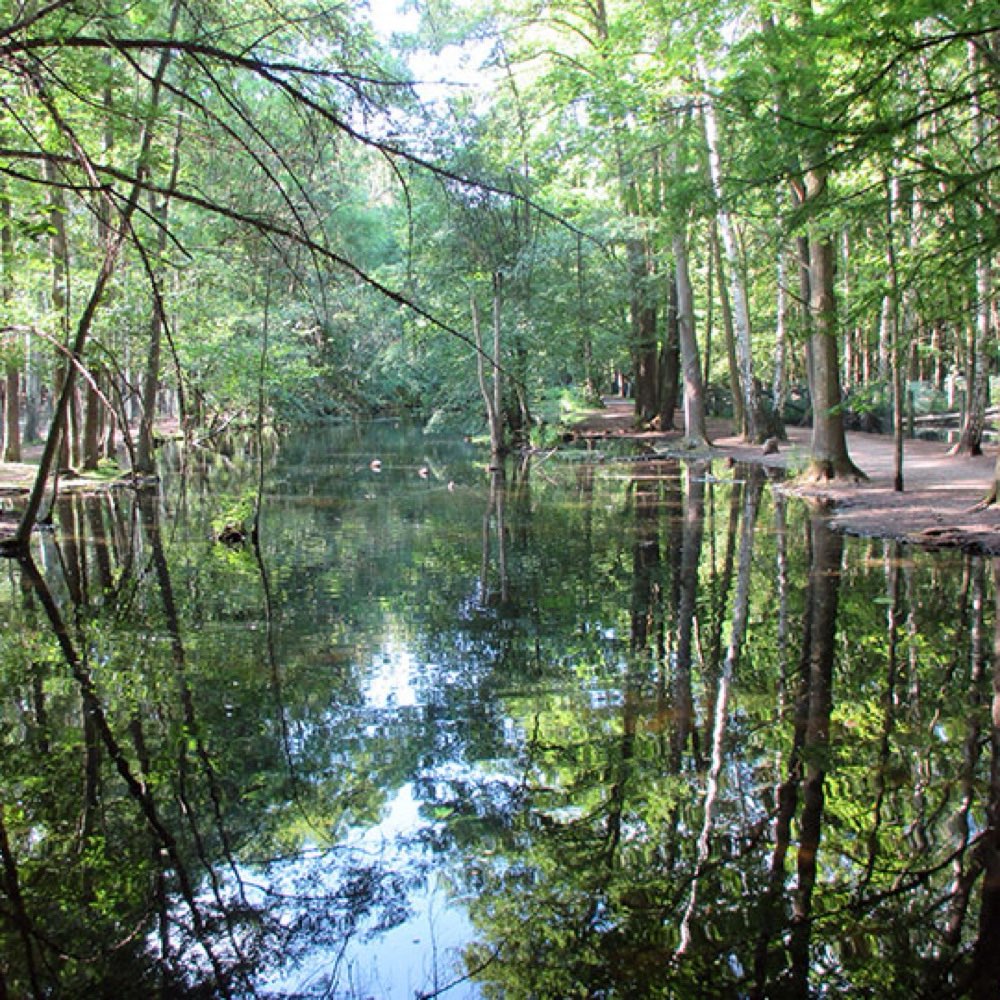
(695, 430)
(970, 441)
(233, 87)
(801, 101)
(10, 349)
(750, 408)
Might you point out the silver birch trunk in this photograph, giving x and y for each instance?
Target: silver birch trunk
(732, 366)
(737, 287)
(778, 386)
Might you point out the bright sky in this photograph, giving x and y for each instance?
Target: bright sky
(387, 17)
(435, 71)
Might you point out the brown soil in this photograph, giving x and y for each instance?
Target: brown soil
(937, 508)
(17, 478)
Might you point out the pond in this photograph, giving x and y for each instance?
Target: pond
(592, 729)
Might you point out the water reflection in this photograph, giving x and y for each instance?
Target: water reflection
(639, 729)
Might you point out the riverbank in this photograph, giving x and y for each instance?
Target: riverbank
(937, 508)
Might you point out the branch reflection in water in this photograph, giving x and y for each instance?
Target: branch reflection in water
(636, 728)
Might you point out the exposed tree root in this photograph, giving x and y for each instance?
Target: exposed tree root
(970, 449)
(828, 470)
(988, 501)
(696, 442)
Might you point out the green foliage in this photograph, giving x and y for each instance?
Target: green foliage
(579, 136)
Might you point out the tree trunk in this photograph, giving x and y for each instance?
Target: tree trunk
(639, 256)
(828, 458)
(91, 427)
(695, 431)
(12, 375)
(19, 543)
(970, 442)
(32, 392)
(978, 380)
(891, 334)
(93, 424)
(778, 384)
(974, 397)
(145, 459)
(12, 414)
(642, 311)
(751, 429)
(669, 362)
(494, 416)
(805, 297)
(706, 360)
(590, 390)
(497, 379)
(735, 392)
(159, 210)
(59, 298)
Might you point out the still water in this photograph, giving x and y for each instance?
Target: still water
(595, 729)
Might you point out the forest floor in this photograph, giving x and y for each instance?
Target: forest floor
(937, 508)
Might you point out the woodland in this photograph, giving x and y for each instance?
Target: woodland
(282, 212)
(638, 728)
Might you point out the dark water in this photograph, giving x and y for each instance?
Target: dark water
(603, 730)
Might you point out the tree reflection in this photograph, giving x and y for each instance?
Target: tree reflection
(984, 976)
(816, 699)
(737, 635)
(626, 883)
(589, 707)
(135, 784)
(147, 881)
(495, 526)
(686, 597)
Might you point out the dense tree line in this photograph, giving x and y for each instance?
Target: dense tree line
(205, 211)
(821, 177)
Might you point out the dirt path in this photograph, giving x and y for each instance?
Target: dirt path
(936, 507)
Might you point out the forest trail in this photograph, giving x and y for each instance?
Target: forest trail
(937, 507)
